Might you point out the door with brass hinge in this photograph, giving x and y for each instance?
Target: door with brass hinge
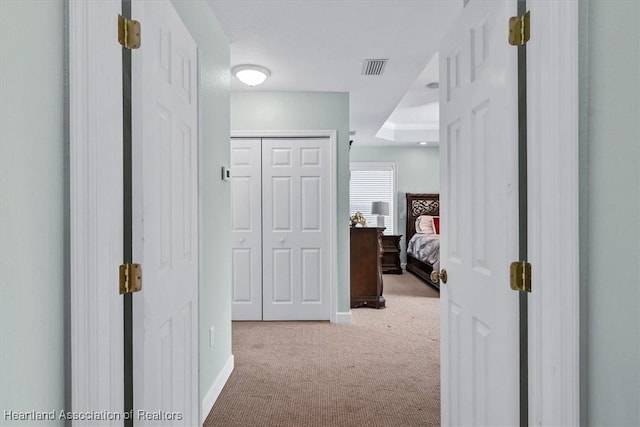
(134, 206)
(479, 206)
(165, 229)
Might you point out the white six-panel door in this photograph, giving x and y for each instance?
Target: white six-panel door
(296, 273)
(295, 281)
(246, 228)
(478, 128)
(165, 138)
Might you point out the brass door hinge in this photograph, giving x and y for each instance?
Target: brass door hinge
(130, 278)
(520, 276)
(519, 29)
(128, 33)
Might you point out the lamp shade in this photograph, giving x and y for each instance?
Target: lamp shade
(379, 208)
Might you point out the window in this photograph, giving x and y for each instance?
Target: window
(373, 182)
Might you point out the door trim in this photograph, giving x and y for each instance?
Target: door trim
(554, 322)
(332, 135)
(95, 192)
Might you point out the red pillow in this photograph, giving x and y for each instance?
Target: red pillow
(436, 224)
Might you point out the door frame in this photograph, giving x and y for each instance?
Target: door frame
(332, 135)
(553, 134)
(95, 303)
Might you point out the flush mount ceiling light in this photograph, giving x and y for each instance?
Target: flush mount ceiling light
(251, 74)
(422, 143)
(432, 85)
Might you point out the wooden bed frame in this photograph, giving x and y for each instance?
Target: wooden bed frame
(420, 204)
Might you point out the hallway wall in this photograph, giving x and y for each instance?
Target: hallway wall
(610, 212)
(215, 211)
(33, 207)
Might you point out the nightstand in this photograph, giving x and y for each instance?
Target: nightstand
(391, 254)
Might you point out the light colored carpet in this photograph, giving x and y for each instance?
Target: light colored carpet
(380, 370)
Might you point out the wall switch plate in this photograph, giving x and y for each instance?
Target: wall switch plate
(212, 336)
(225, 174)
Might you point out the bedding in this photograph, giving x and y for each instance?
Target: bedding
(425, 247)
(427, 224)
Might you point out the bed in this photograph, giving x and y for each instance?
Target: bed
(423, 251)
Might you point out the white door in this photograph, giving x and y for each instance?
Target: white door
(296, 234)
(246, 228)
(165, 138)
(478, 128)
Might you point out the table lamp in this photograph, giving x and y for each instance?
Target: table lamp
(381, 209)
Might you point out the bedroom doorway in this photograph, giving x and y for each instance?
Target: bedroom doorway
(547, 392)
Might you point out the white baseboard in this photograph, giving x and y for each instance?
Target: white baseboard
(216, 388)
(343, 317)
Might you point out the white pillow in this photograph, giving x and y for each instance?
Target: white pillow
(424, 225)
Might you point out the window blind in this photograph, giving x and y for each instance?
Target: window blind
(372, 182)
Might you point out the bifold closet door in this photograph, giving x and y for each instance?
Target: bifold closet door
(295, 228)
(246, 228)
(280, 212)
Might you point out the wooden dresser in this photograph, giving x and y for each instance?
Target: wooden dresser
(391, 254)
(366, 267)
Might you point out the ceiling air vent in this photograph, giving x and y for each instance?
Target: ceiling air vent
(373, 67)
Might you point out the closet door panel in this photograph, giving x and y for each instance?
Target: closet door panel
(295, 201)
(246, 228)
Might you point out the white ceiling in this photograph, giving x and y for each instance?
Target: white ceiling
(320, 45)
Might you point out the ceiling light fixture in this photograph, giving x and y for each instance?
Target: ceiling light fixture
(422, 143)
(251, 74)
(432, 85)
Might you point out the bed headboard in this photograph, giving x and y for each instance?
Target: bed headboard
(420, 204)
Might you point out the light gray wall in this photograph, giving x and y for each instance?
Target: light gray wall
(32, 207)
(215, 269)
(417, 171)
(610, 212)
(306, 111)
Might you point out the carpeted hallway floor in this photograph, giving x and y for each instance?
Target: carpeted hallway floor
(380, 370)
